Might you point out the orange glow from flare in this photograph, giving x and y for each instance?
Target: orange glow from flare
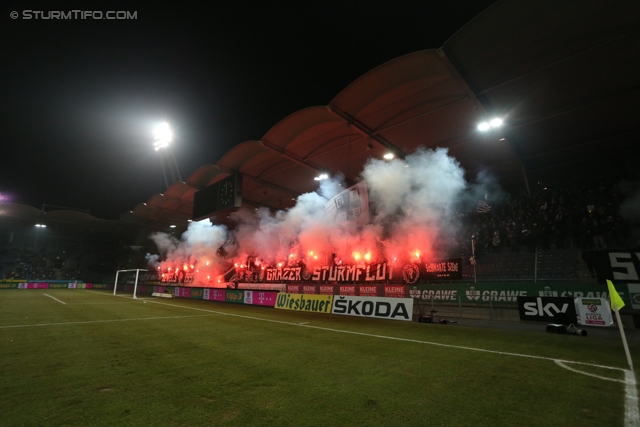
(207, 263)
(417, 254)
(367, 256)
(356, 256)
(311, 253)
(280, 264)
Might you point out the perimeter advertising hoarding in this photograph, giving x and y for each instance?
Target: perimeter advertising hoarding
(36, 285)
(182, 292)
(545, 309)
(508, 293)
(215, 294)
(593, 311)
(263, 286)
(634, 294)
(236, 297)
(264, 298)
(304, 302)
(380, 308)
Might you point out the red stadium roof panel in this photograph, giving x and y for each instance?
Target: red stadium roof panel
(561, 76)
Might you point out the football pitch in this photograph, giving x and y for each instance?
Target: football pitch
(88, 358)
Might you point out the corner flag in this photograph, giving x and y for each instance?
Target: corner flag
(614, 296)
(616, 305)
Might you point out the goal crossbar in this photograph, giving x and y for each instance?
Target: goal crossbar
(135, 286)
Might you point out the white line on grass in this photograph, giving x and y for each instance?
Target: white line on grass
(103, 321)
(47, 295)
(389, 337)
(562, 365)
(631, 416)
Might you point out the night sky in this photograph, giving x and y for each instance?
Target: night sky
(80, 97)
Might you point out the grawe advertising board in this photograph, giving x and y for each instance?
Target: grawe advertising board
(264, 298)
(304, 302)
(593, 311)
(545, 309)
(378, 307)
(508, 293)
(634, 294)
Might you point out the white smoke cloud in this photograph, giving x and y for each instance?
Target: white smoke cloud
(413, 201)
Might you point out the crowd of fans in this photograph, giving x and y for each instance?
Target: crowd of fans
(87, 264)
(36, 265)
(581, 214)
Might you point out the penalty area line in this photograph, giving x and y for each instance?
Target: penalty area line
(47, 295)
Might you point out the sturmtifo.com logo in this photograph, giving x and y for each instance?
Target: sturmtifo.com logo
(473, 294)
(74, 14)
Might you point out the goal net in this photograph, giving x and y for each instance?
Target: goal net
(126, 278)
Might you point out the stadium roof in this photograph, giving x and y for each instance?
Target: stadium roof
(565, 78)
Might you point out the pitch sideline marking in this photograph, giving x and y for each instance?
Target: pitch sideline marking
(102, 321)
(391, 338)
(631, 415)
(47, 295)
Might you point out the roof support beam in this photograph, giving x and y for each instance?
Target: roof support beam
(364, 130)
(290, 156)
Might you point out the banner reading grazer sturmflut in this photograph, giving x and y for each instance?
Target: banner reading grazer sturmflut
(381, 308)
(304, 302)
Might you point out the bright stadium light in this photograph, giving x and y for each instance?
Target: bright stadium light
(496, 122)
(41, 225)
(484, 126)
(162, 136)
(388, 156)
(321, 177)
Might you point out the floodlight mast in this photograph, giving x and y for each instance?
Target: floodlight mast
(162, 138)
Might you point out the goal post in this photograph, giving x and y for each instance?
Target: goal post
(135, 285)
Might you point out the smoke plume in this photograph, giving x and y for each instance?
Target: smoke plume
(413, 205)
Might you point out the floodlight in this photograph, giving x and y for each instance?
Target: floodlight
(162, 136)
(388, 156)
(484, 126)
(41, 225)
(321, 177)
(172, 226)
(497, 122)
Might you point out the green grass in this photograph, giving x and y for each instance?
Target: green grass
(201, 363)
